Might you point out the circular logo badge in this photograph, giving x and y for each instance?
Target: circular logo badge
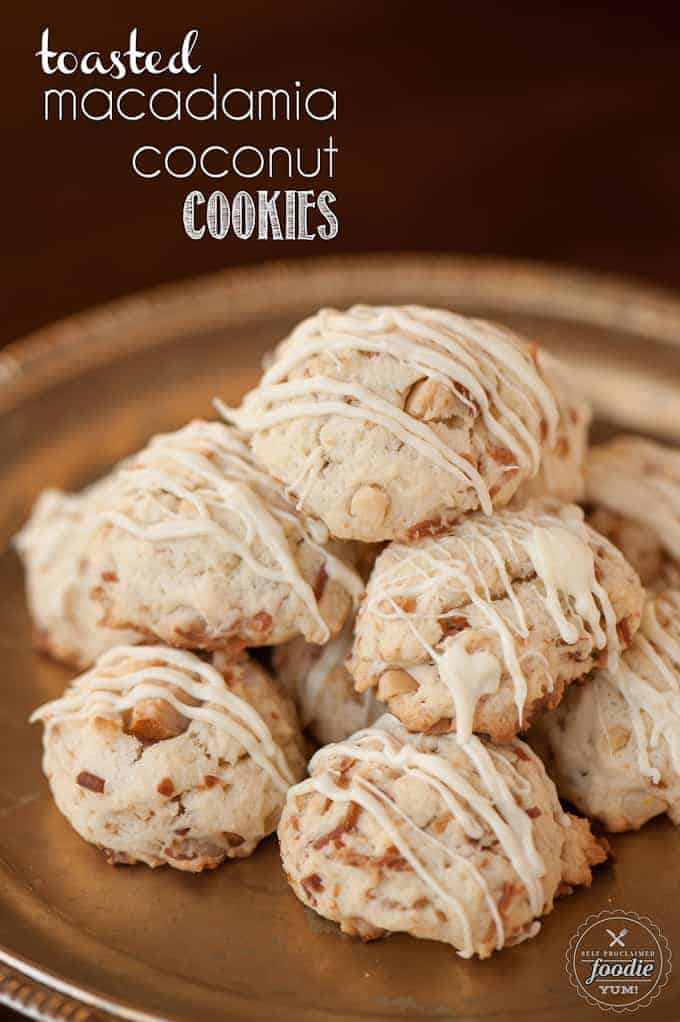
(618, 961)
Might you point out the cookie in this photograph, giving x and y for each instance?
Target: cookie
(199, 548)
(561, 474)
(633, 493)
(317, 680)
(392, 422)
(482, 628)
(613, 745)
(54, 548)
(156, 756)
(464, 843)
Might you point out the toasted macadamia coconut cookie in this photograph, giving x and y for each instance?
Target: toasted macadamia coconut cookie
(156, 756)
(464, 843)
(633, 491)
(201, 549)
(613, 745)
(392, 422)
(54, 547)
(482, 628)
(323, 689)
(561, 474)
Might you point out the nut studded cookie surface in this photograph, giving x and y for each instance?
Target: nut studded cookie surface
(481, 628)
(613, 746)
(54, 547)
(464, 843)
(561, 474)
(633, 491)
(390, 422)
(317, 680)
(200, 548)
(158, 757)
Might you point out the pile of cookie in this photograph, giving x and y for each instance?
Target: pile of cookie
(389, 522)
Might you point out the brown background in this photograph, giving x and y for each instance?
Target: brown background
(534, 130)
(524, 129)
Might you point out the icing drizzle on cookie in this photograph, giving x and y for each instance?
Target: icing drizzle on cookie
(53, 545)
(312, 684)
(56, 520)
(640, 480)
(489, 369)
(208, 468)
(124, 676)
(469, 567)
(486, 796)
(648, 678)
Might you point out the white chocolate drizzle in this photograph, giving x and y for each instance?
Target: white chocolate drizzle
(61, 521)
(494, 804)
(54, 520)
(640, 480)
(54, 545)
(124, 676)
(648, 678)
(469, 356)
(310, 686)
(209, 469)
(559, 548)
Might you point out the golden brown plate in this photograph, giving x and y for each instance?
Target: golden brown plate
(235, 944)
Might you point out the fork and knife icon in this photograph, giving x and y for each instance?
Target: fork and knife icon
(617, 938)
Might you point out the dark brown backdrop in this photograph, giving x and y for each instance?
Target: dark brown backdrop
(493, 127)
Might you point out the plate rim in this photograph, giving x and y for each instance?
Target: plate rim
(81, 341)
(38, 993)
